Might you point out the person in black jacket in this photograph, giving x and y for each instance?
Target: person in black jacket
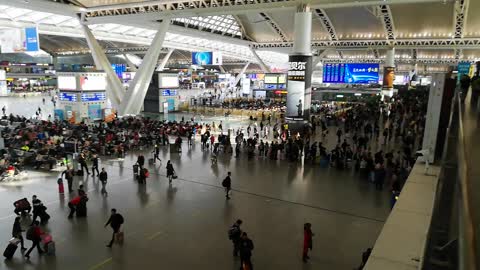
(170, 171)
(68, 173)
(17, 232)
(246, 247)
(156, 154)
(95, 165)
(115, 221)
(141, 161)
(83, 163)
(227, 184)
(234, 234)
(103, 176)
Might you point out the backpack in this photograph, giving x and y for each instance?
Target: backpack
(30, 233)
(120, 218)
(147, 173)
(224, 182)
(233, 232)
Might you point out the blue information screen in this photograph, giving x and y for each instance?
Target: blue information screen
(202, 58)
(168, 93)
(91, 97)
(361, 73)
(68, 97)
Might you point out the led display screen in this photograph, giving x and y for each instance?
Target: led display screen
(282, 78)
(271, 78)
(66, 83)
(358, 73)
(168, 80)
(93, 83)
(68, 97)
(206, 58)
(92, 97)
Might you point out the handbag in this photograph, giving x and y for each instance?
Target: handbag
(174, 176)
(119, 237)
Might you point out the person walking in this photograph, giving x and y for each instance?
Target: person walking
(95, 165)
(4, 110)
(227, 184)
(37, 208)
(17, 232)
(307, 240)
(170, 171)
(34, 234)
(103, 176)
(83, 163)
(156, 154)
(141, 161)
(68, 173)
(246, 247)
(115, 221)
(234, 234)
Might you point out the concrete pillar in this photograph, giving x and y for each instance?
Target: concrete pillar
(389, 74)
(299, 83)
(115, 90)
(239, 76)
(133, 101)
(264, 67)
(164, 62)
(56, 66)
(132, 66)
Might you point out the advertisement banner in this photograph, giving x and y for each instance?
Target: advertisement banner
(95, 111)
(19, 40)
(31, 39)
(463, 68)
(388, 78)
(299, 87)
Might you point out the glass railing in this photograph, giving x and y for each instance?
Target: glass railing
(452, 237)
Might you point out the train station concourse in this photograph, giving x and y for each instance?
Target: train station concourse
(226, 134)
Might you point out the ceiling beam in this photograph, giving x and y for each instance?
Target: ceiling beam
(385, 15)
(181, 44)
(154, 10)
(465, 43)
(44, 6)
(460, 14)
(326, 23)
(275, 27)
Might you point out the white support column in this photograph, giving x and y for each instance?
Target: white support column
(114, 89)
(130, 63)
(260, 61)
(222, 69)
(165, 59)
(137, 91)
(239, 76)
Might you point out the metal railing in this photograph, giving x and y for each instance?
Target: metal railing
(451, 240)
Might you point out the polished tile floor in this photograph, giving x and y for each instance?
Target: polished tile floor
(184, 226)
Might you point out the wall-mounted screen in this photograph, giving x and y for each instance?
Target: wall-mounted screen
(271, 78)
(282, 78)
(168, 80)
(271, 86)
(66, 83)
(93, 97)
(93, 83)
(68, 97)
(355, 73)
(169, 92)
(207, 58)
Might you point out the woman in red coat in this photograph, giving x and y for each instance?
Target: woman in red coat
(307, 240)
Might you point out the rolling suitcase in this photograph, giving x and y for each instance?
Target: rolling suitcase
(50, 248)
(10, 250)
(81, 210)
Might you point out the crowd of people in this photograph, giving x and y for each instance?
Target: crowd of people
(377, 140)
